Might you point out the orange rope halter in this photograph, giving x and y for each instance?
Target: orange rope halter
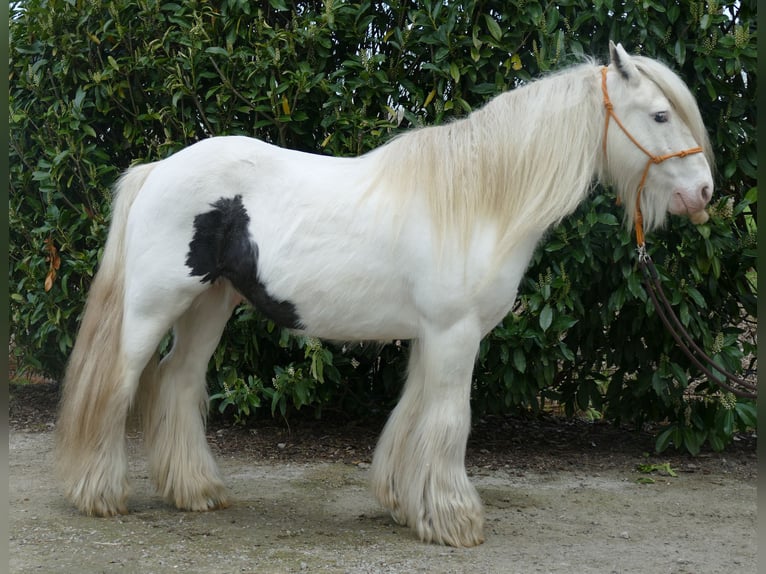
(653, 159)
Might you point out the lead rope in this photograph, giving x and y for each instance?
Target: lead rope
(732, 383)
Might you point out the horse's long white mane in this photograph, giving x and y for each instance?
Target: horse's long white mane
(524, 161)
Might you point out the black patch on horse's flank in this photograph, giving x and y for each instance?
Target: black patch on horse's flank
(222, 247)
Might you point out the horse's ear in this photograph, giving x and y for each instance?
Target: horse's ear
(622, 62)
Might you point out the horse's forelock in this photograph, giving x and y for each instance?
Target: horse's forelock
(681, 98)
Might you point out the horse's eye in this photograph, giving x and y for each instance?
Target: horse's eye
(661, 117)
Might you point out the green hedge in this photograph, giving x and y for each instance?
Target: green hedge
(96, 86)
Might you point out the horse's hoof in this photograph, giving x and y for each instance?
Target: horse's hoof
(213, 498)
(464, 532)
(99, 506)
(99, 497)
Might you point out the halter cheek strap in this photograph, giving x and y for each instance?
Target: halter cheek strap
(653, 159)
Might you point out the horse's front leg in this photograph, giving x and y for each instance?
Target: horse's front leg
(418, 471)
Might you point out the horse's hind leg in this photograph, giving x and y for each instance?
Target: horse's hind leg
(173, 405)
(418, 470)
(91, 449)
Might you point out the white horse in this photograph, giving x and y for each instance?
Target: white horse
(425, 238)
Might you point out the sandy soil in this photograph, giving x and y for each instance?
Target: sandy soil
(560, 497)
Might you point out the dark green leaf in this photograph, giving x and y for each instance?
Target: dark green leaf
(546, 317)
(519, 360)
(493, 27)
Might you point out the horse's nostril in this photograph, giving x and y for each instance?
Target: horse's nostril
(706, 193)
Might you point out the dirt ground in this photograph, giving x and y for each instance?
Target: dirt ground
(560, 497)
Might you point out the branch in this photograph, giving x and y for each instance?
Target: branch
(239, 96)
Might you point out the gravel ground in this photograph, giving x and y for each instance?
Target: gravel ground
(560, 497)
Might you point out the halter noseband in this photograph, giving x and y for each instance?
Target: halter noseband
(653, 159)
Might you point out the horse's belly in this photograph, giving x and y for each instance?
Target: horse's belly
(346, 280)
(353, 302)
(359, 320)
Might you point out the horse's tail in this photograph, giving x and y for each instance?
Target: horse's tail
(93, 399)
